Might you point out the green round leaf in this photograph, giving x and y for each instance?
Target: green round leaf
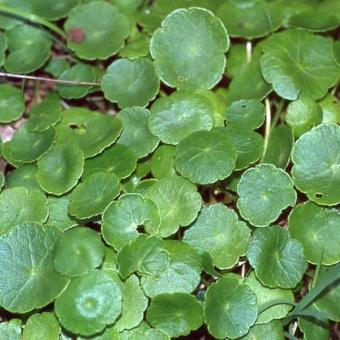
(45, 114)
(122, 218)
(206, 156)
(60, 169)
(78, 252)
(245, 114)
(317, 229)
(27, 275)
(28, 146)
(136, 47)
(11, 103)
(330, 109)
(289, 64)
(142, 253)
(269, 331)
(18, 205)
(58, 213)
(316, 170)
(218, 232)
(279, 146)
(252, 18)
(176, 117)
(278, 259)
(176, 314)
(131, 82)
(96, 30)
(136, 134)
(179, 50)
(264, 191)
(182, 275)
(181, 196)
(303, 114)
(163, 162)
(230, 307)
(29, 48)
(328, 301)
(24, 176)
(91, 197)
(265, 295)
(90, 130)
(89, 303)
(10, 331)
(134, 304)
(249, 146)
(51, 9)
(42, 326)
(77, 73)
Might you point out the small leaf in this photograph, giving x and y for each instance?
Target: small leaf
(45, 114)
(230, 307)
(182, 275)
(264, 192)
(78, 252)
(218, 232)
(131, 82)
(206, 156)
(265, 295)
(96, 30)
(60, 169)
(10, 331)
(91, 131)
(93, 195)
(316, 170)
(11, 103)
(116, 159)
(317, 229)
(163, 162)
(27, 275)
(175, 314)
(181, 196)
(136, 134)
(273, 248)
(176, 117)
(122, 218)
(297, 73)
(179, 51)
(42, 326)
(89, 303)
(18, 205)
(28, 146)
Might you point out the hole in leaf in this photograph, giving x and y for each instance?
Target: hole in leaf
(318, 195)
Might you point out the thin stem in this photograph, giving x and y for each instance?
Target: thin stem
(51, 80)
(33, 18)
(267, 128)
(249, 48)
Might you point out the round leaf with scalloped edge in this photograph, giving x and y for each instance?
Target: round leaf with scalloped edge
(218, 232)
(206, 156)
(317, 229)
(90, 130)
(230, 307)
(96, 30)
(175, 314)
(316, 158)
(27, 275)
(296, 61)
(89, 303)
(183, 198)
(264, 191)
(41, 326)
(190, 40)
(93, 195)
(11, 103)
(122, 218)
(60, 169)
(278, 259)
